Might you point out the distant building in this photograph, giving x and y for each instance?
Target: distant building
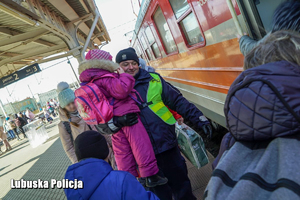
(52, 94)
(45, 97)
(19, 106)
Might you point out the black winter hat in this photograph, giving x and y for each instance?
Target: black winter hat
(127, 54)
(91, 144)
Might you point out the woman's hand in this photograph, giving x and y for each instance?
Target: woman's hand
(120, 70)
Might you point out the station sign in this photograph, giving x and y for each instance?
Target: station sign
(18, 75)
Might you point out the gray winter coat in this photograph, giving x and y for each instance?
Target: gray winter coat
(247, 44)
(262, 112)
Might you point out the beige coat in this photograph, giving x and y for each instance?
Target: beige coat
(67, 140)
(3, 135)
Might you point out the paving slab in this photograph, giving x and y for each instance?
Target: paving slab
(49, 161)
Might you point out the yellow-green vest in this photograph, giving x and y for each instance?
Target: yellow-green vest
(154, 96)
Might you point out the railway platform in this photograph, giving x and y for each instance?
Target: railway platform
(49, 161)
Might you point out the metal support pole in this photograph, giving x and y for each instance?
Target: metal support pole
(69, 62)
(33, 99)
(90, 33)
(2, 108)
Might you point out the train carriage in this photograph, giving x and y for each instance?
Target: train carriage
(193, 44)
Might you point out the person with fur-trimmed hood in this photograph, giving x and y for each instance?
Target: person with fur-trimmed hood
(131, 143)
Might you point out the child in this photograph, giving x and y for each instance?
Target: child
(99, 179)
(131, 144)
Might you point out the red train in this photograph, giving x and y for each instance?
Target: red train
(193, 44)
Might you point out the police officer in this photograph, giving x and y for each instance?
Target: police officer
(155, 95)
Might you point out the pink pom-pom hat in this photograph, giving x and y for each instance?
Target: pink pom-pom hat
(98, 54)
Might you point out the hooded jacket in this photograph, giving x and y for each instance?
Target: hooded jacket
(116, 90)
(101, 182)
(68, 140)
(144, 66)
(162, 135)
(262, 112)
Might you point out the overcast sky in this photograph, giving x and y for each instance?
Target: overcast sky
(118, 18)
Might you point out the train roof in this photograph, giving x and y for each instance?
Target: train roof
(143, 10)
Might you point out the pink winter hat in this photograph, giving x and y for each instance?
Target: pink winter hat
(98, 54)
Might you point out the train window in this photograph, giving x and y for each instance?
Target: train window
(179, 7)
(164, 31)
(187, 22)
(152, 42)
(149, 35)
(258, 14)
(138, 50)
(143, 41)
(191, 30)
(156, 50)
(149, 54)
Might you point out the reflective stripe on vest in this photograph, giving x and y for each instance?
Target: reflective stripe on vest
(158, 106)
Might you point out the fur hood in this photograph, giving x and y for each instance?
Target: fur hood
(98, 64)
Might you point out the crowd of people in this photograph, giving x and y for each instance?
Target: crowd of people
(142, 127)
(118, 128)
(12, 127)
(137, 146)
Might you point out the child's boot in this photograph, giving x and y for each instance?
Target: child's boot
(155, 180)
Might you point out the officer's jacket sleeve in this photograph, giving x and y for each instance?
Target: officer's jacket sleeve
(172, 98)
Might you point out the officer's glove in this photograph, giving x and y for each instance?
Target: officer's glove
(126, 120)
(207, 129)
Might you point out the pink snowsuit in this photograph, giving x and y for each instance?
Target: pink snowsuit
(131, 144)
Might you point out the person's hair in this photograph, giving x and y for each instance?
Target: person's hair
(69, 117)
(278, 46)
(287, 16)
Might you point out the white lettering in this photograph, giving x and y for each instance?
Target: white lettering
(53, 183)
(12, 184)
(80, 184)
(203, 2)
(58, 184)
(35, 185)
(29, 184)
(23, 184)
(66, 184)
(71, 185)
(46, 184)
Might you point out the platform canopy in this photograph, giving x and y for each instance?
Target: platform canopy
(33, 30)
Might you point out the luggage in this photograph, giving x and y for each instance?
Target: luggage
(36, 133)
(191, 145)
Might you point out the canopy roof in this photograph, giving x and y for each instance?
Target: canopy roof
(32, 30)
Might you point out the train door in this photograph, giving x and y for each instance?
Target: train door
(258, 15)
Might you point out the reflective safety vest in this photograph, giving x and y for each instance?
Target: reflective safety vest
(155, 102)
